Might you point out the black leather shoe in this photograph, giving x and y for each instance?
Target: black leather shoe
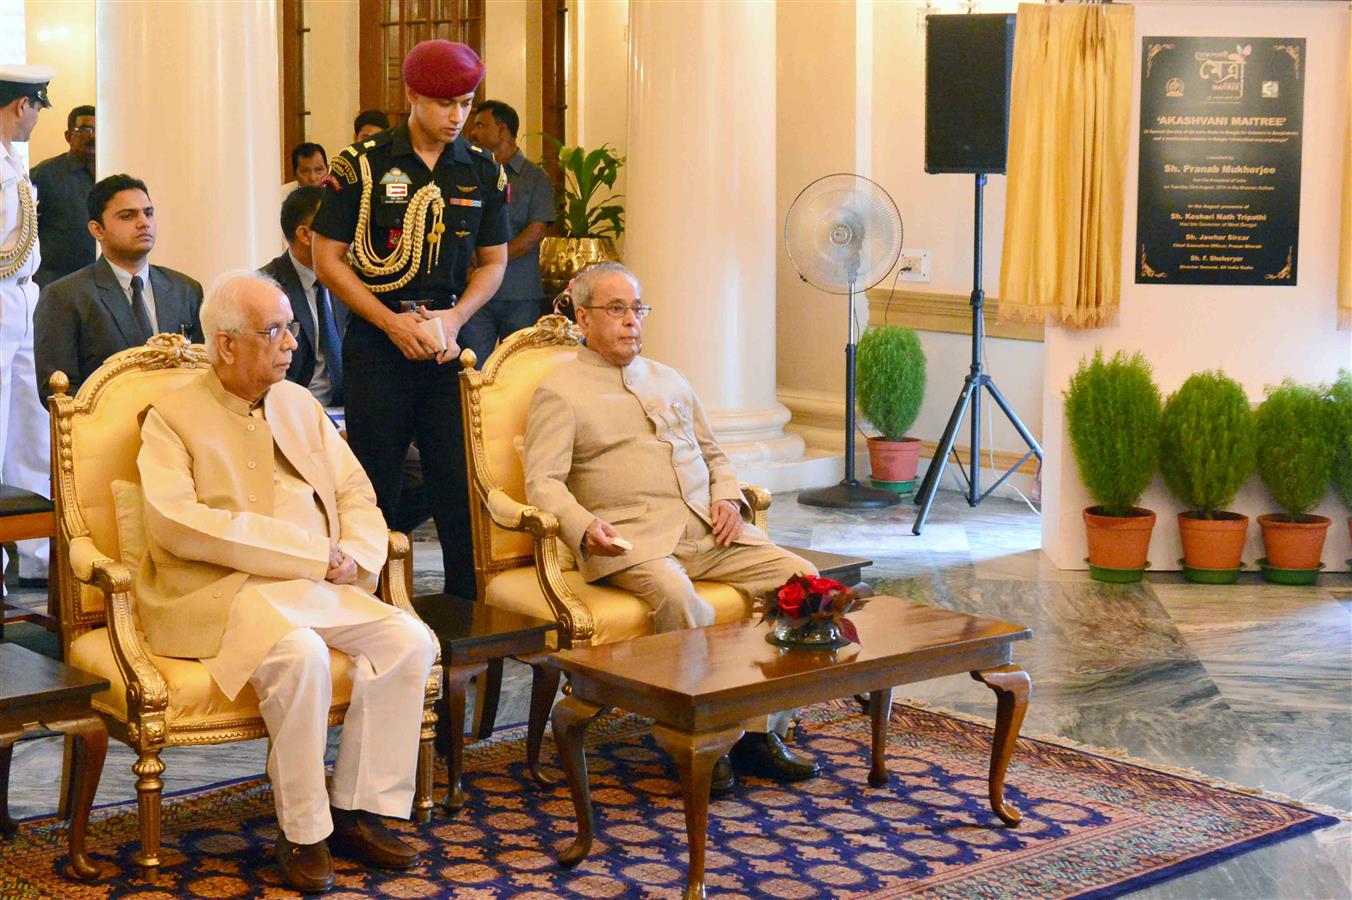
(766, 756)
(365, 836)
(307, 868)
(724, 781)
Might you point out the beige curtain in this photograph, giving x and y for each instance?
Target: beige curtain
(1070, 118)
(1345, 262)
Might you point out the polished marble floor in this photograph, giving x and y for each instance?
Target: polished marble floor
(1250, 683)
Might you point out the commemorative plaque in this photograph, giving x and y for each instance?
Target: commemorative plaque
(1218, 197)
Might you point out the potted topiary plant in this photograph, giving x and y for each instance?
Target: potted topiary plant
(1112, 413)
(1206, 455)
(1295, 461)
(589, 220)
(1340, 414)
(890, 385)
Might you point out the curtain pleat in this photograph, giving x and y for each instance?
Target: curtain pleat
(1070, 111)
(1345, 257)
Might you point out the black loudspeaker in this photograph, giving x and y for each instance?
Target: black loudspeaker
(968, 59)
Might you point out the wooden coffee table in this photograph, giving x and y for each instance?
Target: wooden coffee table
(711, 680)
(39, 694)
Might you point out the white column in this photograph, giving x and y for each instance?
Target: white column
(188, 102)
(701, 231)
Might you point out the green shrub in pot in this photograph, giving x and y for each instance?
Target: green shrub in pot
(890, 386)
(1296, 450)
(1112, 414)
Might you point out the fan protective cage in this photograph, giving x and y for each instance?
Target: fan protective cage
(843, 233)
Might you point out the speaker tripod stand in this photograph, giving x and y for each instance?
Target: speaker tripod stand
(970, 399)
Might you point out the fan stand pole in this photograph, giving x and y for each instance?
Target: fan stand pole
(971, 396)
(849, 494)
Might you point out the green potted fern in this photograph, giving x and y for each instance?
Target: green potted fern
(1112, 413)
(1206, 454)
(589, 217)
(1295, 462)
(1340, 413)
(890, 386)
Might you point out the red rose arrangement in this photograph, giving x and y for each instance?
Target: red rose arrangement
(804, 598)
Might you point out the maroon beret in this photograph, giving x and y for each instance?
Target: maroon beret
(442, 69)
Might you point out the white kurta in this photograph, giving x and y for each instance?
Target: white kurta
(267, 609)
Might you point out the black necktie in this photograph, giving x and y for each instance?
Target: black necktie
(138, 309)
(329, 344)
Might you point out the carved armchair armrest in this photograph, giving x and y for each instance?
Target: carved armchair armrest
(575, 621)
(147, 692)
(758, 499)
(396, 589)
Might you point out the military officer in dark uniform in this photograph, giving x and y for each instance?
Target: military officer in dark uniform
(403, 214)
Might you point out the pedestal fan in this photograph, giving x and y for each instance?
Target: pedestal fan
(843, 235)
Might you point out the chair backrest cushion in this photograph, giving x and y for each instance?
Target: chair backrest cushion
(105, 438)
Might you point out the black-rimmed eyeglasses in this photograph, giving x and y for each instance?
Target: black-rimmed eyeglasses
(274, 333)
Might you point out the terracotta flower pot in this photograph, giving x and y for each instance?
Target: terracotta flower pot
(893, 460)
(1294, 545)
(1118, 542)
(1213, 543)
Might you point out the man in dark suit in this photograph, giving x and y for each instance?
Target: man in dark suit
(117, 302)
(317, 362)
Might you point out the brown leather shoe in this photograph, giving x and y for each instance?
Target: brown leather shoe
(365, 835)
(307, 868)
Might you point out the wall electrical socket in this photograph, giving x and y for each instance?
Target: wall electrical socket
(914, 265)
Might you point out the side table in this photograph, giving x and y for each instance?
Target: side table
(37, 694)
(475, 637)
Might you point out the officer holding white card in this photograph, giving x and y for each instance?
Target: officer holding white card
(412, 206)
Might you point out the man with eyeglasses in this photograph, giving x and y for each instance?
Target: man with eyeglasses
(63, 183)
(619, 449)
(118, 301)
(264, 546)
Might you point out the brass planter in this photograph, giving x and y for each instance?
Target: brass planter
(562, 258)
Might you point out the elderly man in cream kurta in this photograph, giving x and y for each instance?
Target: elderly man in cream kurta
(264, 547)
(618, 447)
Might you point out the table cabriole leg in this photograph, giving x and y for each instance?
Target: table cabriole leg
(455, 686)
(695, 755)
(570, 719)
(1012, 687)
(544, 686)
(879, 710)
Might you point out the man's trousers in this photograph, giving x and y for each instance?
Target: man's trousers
(378, 748)
(25, 429)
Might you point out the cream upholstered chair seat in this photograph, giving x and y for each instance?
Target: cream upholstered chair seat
(153, 701)
(518, 559)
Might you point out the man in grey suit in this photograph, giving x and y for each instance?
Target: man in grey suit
(317, 362)
(118, 301)
(619, 449)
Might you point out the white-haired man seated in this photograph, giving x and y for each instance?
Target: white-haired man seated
(264, 546)
(619, 449)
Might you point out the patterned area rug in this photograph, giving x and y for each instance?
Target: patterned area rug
(1094, 825)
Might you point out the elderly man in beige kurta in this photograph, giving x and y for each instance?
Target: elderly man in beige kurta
(618, 447)
(265, 543)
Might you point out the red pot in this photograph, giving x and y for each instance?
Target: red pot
(1213, 543)
(893, 460)
(1294, 544)
(1118, 542)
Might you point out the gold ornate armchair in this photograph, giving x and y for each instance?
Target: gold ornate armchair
(519, 562)
(156, 702)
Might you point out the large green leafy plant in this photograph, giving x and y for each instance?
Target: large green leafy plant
(891, 379)
(583, 211)
(1340, 422)
(1295, 455)
(1207, 442)
(1113, 412)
